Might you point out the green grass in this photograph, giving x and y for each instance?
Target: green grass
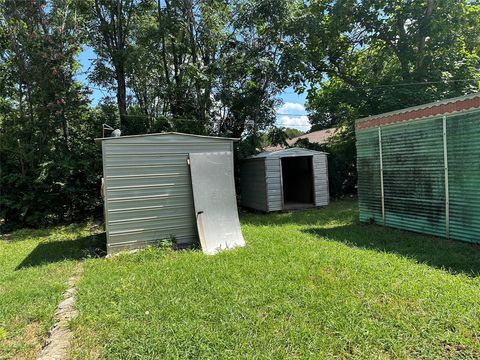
(34, 268)
(313, 284)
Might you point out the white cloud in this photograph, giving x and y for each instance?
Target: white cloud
(297, 122)
(291, 106)
(292, 115)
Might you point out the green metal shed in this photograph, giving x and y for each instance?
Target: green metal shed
(419, 168)
(148, 189)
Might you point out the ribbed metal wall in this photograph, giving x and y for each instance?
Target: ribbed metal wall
(253, 184)
(274, 183)
(148, 188)
(320, 169)
(368, 165)
(415, 175)
(463, 144)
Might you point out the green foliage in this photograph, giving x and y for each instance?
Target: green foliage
(250, 145)
(58, 186)
(277, 136)
(50, 171)
(208, 67)
(189, 66)
(377, 56)
(292, 133)
(257, 141)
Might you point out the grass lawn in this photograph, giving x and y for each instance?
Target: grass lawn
(311, 284)
(34, 268)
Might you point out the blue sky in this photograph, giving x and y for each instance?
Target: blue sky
(291, 114)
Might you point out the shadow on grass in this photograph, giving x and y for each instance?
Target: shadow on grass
(54, 251)
(454, 256)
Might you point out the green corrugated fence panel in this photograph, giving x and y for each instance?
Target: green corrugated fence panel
(413, 175)
(463, 140)
(368, 164)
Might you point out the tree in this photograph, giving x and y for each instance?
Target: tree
(47, 174)
(370, 57)
(109, 24)
(277, 136)
(293, 133)
(207, 67)
(379, 56)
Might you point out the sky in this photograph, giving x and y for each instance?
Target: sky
(291, 114)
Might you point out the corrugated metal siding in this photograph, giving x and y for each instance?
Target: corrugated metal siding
(320, 173)
(463, 143)
(368, 167)
(413, 174)
(253, 184)
(148, 188)
(274, 184)
(273, 177)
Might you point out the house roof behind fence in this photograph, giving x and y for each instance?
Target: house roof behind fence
(317, 137)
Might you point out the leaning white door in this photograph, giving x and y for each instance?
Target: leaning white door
(215, 202)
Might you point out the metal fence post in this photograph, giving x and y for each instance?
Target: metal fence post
(381, 173)
(447, 193)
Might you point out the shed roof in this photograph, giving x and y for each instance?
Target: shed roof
(99, 140)
(286, 153)
(438, 108)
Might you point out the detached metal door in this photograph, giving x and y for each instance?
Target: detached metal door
(215, 202)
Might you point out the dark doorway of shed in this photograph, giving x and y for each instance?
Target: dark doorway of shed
(297, 176)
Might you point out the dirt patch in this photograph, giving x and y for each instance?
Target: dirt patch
(60, 335)
(33, 335)
(456, 351)
(30, 341)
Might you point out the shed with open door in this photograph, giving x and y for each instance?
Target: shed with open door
(287, 179)
(148, 193)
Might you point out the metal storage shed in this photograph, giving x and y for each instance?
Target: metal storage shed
(419, 168)
(285, 180)
(147, 187)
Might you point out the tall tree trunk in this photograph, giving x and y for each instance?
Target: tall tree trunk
(122, 96)
(423, 33)
(191, 29)
(402, 48)
(164, 46)
(66, 133)
(176, 63)
(114, 19)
